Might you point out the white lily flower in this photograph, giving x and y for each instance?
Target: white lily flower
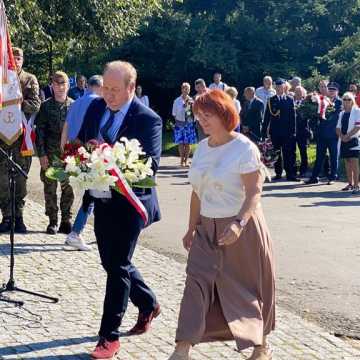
(131, 177)
(71, 166)
(82, 151)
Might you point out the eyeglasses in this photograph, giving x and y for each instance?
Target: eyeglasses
(347, 99)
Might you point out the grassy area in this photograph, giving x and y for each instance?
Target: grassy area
(311, 155)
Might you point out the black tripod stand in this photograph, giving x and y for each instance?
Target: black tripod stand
(15, 169)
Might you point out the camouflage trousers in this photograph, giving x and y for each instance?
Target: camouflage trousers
(20, 188)
(50, 194)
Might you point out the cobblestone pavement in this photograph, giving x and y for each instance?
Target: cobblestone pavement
(66, 330)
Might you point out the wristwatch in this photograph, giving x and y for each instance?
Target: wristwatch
(241, 222)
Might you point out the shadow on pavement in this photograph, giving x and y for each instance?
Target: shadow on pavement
(21, 248)
(44, 345)
(333, 203)
(282, 186)
(313, 194)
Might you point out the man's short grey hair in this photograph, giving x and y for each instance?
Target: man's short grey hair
(95, 80)
(200, 81)
(249, 89)
(267, 77)
(130, 73)
(296, 80)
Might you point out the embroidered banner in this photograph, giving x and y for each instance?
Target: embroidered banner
(12, 118)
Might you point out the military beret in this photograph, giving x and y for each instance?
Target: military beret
(17, 52)
(333, 86)
(280, 81)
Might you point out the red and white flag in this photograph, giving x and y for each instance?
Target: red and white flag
(13, 122)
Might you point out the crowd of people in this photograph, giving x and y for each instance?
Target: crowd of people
(292, 117)
(230, 286)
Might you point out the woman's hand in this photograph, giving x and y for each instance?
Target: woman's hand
(230, 235)
(188, 239)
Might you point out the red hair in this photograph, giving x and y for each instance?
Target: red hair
(220, 104)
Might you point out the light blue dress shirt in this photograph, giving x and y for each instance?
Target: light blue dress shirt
(76, 114)
(112, 132)
(119, 119)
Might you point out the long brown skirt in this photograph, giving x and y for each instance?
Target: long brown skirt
(230, 291)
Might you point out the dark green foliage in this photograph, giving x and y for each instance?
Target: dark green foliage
(175, 41)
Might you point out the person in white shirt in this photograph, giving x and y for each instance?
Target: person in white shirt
(218, 84)
(348, 132)
(265, 92)
(233, 93)
(200, 88)
(230, 287)
(143, 98)
(184, 131)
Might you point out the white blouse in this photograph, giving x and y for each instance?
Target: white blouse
(215, 175)
(354, 120)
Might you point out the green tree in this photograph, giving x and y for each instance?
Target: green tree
(49, 31)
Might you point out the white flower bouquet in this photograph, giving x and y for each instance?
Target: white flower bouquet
(102, 167)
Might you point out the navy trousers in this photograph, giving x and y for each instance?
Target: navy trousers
(302, 145)
(117, 228)
(286, 145)
(322, 145)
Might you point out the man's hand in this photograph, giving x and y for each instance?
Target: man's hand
(345, 138)
(44, 162)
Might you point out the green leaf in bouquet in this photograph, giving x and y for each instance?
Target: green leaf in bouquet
(145, 184)
(58, 174)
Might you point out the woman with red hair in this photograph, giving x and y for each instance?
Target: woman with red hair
(230, 287)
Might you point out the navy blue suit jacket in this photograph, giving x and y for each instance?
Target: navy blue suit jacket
(140, 123)
(327, 127)
(283, 124)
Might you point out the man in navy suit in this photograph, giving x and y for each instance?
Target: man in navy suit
(252, 115)
(117, 223)
(280, 124)
(327, 138)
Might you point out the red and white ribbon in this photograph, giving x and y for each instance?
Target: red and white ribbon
(323, 103)
(127, 191)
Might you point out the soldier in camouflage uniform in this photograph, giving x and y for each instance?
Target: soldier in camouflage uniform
(30, 106)
(49, 125)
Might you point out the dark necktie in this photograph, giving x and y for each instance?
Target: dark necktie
(104, 131)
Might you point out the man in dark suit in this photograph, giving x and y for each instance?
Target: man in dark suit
(280, 125)
(252, 115)
(117, 223)
(327, 139)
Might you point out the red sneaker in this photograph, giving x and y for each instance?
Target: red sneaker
(105, 350)
(144, 321)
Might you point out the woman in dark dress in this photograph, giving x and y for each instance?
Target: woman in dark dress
(348, 131)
